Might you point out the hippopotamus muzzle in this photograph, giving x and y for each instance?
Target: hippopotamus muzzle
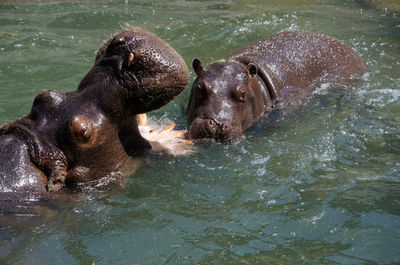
(210, 128)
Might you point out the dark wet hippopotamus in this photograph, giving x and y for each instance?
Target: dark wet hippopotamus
(231, 94)
(87, 134)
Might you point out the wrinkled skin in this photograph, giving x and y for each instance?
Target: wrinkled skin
(85, 135)
(274, 73)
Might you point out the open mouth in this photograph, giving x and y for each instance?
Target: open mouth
(165, 134)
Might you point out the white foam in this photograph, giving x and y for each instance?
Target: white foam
(163, 133)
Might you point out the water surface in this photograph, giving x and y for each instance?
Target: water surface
(321, 186)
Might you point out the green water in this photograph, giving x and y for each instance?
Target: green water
(322, 186)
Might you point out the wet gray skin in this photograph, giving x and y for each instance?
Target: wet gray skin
(87, 134)
(278, 72)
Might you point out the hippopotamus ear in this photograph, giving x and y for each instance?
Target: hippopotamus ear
(197, 66)
(251, 70)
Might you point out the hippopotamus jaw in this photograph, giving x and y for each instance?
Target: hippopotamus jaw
(151, 73)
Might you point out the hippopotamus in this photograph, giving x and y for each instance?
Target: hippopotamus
(88, 134)
(272, 74)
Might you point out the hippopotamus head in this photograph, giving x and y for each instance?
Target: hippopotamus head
(84, 135)
(225, 100)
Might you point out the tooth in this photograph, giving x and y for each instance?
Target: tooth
(130, 60)
(142, 119)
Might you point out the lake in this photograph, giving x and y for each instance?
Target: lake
(319, 186)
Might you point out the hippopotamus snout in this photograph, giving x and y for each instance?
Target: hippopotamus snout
(211, 128)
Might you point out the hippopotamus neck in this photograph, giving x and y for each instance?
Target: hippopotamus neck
(110, 98)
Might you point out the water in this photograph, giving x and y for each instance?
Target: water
(322, 186)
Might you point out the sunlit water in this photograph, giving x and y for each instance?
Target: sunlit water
(321, 186)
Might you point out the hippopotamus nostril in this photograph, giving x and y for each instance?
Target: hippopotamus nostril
(225, 127)
(211, 126)
(211, 123)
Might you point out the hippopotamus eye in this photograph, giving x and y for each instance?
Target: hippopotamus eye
(203, 90)
(240, 94)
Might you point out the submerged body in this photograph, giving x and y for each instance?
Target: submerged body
(231, 94)
(85, 135)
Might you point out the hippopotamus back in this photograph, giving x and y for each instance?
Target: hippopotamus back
(300, 59)
(281, 70)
